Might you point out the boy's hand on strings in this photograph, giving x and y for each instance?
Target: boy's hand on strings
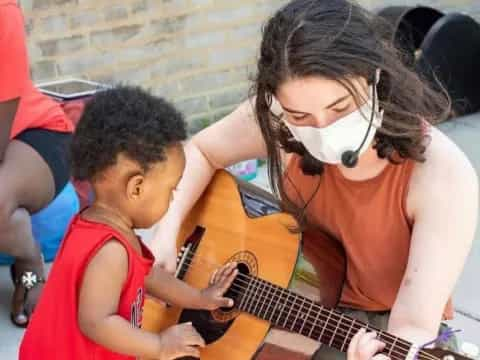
(178, 341)
(220, 281)
(364, 346)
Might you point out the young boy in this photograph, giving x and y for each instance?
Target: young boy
(127, 145)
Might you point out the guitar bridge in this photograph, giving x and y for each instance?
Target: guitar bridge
(187, 252)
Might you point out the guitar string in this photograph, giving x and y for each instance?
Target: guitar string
(403, 354)
(246, 279)
(322, 308)
(397, 341)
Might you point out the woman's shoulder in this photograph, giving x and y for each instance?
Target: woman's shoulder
(446, 168)
(444, 156)
(234, 138)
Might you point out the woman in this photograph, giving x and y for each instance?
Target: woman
(345, 126)
(34, 136)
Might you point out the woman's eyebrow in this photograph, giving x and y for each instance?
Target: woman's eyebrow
(293, 111)
(339, 100)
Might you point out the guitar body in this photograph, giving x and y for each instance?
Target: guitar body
(244, 224)
(221, 231)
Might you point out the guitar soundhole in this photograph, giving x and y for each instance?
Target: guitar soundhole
(211, 325)
(247, 265)
(235, 291)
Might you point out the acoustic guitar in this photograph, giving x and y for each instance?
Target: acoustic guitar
(244, 224)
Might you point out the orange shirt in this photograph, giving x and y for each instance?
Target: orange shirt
(35, 110)
(369, 219)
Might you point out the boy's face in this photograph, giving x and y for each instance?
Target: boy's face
(154, 192)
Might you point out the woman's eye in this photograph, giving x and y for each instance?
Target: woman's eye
(340, 110)
(299, 117)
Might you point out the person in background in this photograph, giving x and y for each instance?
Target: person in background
(34, 168)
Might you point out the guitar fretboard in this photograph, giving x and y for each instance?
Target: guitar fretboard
(291, 311)
(296, 313)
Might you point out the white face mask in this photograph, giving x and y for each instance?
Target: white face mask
(327, 144)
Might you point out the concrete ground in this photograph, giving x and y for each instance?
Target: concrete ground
(466, 297)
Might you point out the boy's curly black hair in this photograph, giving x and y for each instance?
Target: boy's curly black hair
(127, 120)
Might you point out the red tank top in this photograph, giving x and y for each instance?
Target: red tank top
(35, 110)
(53, 332)
(369, 218)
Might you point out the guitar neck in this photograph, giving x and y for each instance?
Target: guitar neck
(293, 312)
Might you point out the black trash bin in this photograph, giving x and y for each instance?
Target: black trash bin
(410, 24)
(450, 54)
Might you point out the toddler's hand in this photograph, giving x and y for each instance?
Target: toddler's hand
(220, 281)
(179, 340)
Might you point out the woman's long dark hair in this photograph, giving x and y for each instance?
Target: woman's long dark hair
(339, 40)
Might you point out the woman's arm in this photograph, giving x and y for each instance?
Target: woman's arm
(443, 200)
(8, 109)
(235, 138)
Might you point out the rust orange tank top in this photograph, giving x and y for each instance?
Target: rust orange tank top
(369, 218)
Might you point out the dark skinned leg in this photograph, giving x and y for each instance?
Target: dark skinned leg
(27, 186)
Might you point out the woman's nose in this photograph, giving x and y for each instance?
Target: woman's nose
(321, 120)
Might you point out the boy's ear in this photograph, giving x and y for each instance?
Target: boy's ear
(135, 187)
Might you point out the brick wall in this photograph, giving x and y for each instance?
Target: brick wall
(197, 53)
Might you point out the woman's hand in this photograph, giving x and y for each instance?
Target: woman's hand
(364, 346)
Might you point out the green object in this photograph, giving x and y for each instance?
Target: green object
(245, 170)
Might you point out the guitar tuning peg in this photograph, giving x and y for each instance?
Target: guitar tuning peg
(470, 350)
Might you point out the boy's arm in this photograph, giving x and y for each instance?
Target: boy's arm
(168, 288)
(100, 291)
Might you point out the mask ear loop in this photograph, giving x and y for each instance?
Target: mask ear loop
(377, 81)
(377, 76)
(375, 100)
(374, 93)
